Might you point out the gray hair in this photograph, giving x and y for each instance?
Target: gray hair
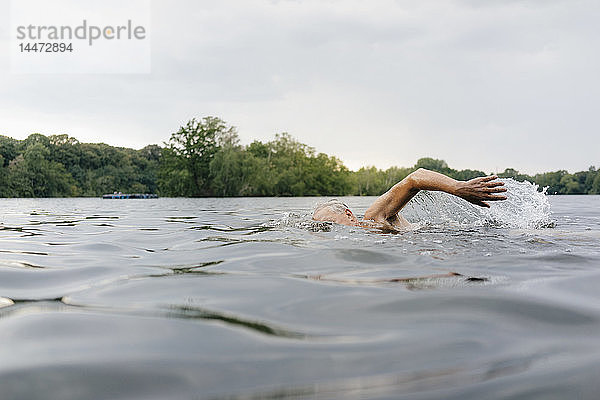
(334, 205)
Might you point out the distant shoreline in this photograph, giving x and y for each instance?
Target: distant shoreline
(204, 159)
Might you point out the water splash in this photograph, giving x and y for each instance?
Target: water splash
(525, 208)
(295, 220)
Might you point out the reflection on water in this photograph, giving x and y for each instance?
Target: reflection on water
(249, 298)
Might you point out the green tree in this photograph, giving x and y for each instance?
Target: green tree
(551, 180)
(47, 178)
(8, 149)
(174, 179)
(195, 145)
(432, 164)
(31, 174)
(236, 172)
(513, 173)
(569, 185)
(595, 189)
(369, 181)
(4, 189)
(467, 174)
(35, 138)
(18, 180)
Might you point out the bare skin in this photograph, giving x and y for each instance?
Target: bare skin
(384, 212)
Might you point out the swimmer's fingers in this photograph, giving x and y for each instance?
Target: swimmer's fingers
(481, 190)
(488, 178)
(495, 183)
(487, 197)
(490, 193)
(493, 197)
(494, 189)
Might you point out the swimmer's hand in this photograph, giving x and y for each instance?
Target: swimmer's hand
(480, 190)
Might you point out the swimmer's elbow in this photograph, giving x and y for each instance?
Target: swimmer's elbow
(416, 178)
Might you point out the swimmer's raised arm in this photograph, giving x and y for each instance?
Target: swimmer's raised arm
(477, 191)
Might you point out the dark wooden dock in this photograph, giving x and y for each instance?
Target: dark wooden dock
(130, 196)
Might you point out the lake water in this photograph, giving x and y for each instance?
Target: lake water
(247, 298)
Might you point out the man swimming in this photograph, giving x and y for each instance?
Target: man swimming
(383, 213)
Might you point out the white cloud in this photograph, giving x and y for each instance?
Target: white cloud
(508, 84)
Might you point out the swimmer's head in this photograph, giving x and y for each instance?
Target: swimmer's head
(334, 211)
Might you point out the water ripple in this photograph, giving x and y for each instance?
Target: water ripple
(249, 298)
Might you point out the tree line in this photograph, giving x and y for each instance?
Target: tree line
(205, 158)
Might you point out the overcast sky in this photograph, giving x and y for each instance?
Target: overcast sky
(482, 84)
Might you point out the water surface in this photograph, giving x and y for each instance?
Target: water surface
(247, 298)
